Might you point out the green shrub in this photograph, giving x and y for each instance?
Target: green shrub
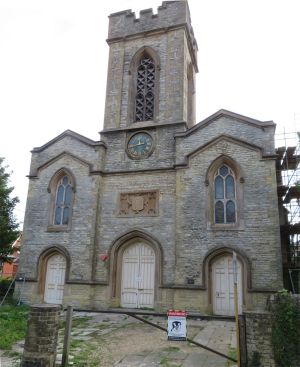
(255, 360)
(4, 285)
(286, 330)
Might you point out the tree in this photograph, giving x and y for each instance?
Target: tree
(8, 224)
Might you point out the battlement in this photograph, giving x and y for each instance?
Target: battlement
(169, 14)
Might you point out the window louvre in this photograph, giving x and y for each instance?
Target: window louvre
(144, 100)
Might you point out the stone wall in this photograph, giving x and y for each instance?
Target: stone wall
(41, 337)
(256, 232)
(258, 326)
(258, 337)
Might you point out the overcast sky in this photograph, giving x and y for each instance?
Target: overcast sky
(53, 61)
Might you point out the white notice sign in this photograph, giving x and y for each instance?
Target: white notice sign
(177, 325)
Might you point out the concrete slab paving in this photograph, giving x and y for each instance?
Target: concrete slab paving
(219, 335)
(177, 356)
(152, 359)
(195, 359)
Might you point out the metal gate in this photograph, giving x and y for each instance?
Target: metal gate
(138, 315)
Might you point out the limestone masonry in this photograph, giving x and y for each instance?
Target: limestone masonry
(149, 216)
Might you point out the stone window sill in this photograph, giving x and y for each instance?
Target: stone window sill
(58, 228)
(226, 227)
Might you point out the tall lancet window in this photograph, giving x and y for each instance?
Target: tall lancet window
(62, 190)
(225, 197)
(144, 100)
(63, 201)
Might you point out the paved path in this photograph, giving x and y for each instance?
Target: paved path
(217, 335)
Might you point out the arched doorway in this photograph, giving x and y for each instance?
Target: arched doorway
(223, 287)
(55, 279)
(138, 276)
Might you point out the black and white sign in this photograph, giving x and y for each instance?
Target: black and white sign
(177, 325)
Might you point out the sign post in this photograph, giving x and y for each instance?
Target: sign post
(177, 325)
(236, 311)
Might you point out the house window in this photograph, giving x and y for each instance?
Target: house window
(63, 200)
(144, 99)
(224, 196)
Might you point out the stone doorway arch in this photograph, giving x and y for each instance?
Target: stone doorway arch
(136, 270)
(53, 272)
(222, 285)
(55, 279)
(217, 267)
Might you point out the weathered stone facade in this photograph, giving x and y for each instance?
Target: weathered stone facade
(181, 236)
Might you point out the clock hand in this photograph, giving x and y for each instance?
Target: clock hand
(136, 145)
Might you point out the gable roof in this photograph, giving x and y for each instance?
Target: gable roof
(223, 137)
(225, 113)
(69, 133)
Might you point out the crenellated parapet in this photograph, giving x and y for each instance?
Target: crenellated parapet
(170, 14)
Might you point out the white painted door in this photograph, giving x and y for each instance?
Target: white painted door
(138, 274)
(223, 287)
(55, 279)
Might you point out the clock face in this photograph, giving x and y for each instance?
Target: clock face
(140, 145)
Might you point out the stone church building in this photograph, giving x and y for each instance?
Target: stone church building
(149, 216)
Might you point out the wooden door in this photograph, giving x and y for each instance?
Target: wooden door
(138, 275)
(223, 287)
(55, 279)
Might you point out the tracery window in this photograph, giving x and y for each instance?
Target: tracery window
(144, 100)
(224, 196)
(63, 201)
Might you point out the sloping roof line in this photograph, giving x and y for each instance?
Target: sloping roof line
(227, 138)
(56, 158)
(217, 139)
(224, 113)
(72, 134)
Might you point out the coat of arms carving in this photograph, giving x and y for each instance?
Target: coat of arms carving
(143, 203)
(137, 203)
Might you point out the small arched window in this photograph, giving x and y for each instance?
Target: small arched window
(63, 201)
(224, 196)
(145, 83)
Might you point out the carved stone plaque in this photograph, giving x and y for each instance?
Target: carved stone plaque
(139, 203)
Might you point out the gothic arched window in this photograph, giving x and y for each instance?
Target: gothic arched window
(63, 201)
(62, 188)
(144, 98)
(224, 196)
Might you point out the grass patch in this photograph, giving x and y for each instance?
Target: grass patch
(13, 325)
(232, 353)
(172, 349)
(85, 356)
(81, 360)
(81, 322)
(75, 343)
(166, 363)
(103, 326)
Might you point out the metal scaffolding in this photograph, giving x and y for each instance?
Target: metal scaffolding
(288, 188)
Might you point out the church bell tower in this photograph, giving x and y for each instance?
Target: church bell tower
(151, 69)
